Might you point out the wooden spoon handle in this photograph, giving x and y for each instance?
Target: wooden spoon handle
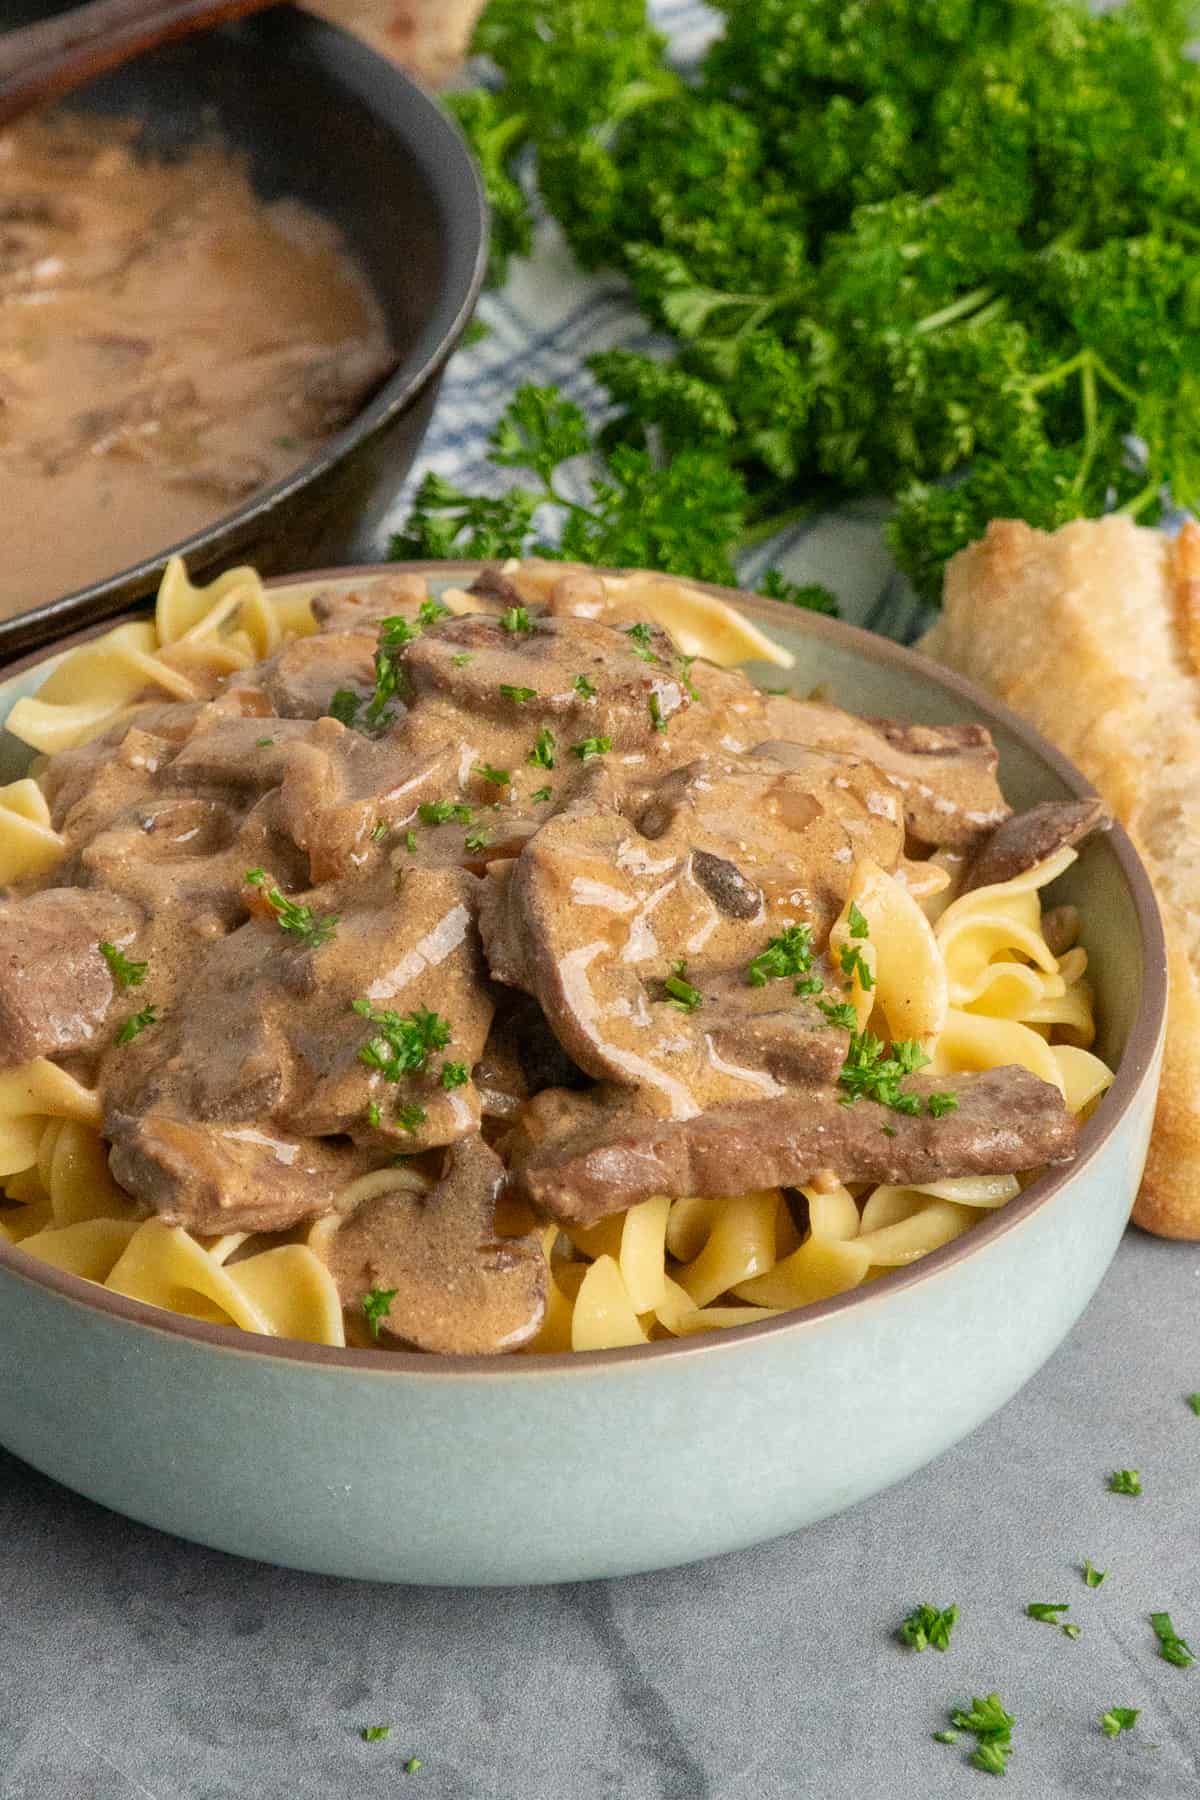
(42, 61)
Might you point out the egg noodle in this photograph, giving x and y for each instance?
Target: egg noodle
(973, 979)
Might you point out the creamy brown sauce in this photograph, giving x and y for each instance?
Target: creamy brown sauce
(168, 345)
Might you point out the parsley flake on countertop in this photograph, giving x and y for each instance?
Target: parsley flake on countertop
(1093, 1576)
(375, 1734)
(376, 1307)
(928, 1628)
(991, 1726)
(1193, 1401)
(412, 1765)
(1125, 1481)
(126, 974)
(1118, 1719)
(1047, 1610)
(1171, 1647)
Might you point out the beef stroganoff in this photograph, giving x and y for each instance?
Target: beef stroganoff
(504, 971)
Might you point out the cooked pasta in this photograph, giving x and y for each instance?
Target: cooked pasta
(967, 978)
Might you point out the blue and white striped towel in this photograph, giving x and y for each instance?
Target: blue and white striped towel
(542, 326)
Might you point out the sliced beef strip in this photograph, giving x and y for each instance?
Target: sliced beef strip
(945, 775)
(379, 597)
(267, 1028)
(245, 755)
(599, 908)
(338, 787)
(549, 658)
(55, 986)
(456, 1288)
(300, 680)
(1006, 1120)
(235, 1176)
(1032, 837)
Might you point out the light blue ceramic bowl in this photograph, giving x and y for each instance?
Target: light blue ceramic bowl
(463, 1471)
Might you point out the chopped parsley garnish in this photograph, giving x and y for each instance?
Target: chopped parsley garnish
(542, 754)
(475, 840)
(788, 954)
(839, 1012)
(313, 929)
(1125, 1481)
(376, 1307)
(539, 795)
(1047, 1610)
(1171, 1647)
(403, 1043)
(344, 705)
(374, 1116)
(1193, 1401)
(461, 660)
(808, 985)
(444, 812)
(928, 1628)
(126, 974)
(408, 1118)
(379, 831)
(941, 1104)
(1093, 1576)
(497, 777)
(136, 1024)
(856, 923)
(516, 619)
(854, 963)
(593, 746)
(375, 1734)
(870, 1073)
(519, 694)
(584, 687)
(656, 713)
(410, 839)
(395, 635)
(641, 636)
(1118, 1719)
(455, 1075)
(685, 668)
(680, 991)
(430, 611)
(991, 1726)
(263, 743)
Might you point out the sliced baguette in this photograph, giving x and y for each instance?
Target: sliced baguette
(1093, 633)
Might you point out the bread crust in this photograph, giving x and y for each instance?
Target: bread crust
(1092, 632)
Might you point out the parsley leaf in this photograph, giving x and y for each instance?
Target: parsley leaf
(410, 840)
(583, 686)
(379, 831)
(462, 658)
(519, 694)
(516, 619)
(375, 1734)
(642, 639)
(412, 1765)
(788, 954)
(1118, 1719)
(1125, 1481)
(539, 795)
(1093, 1576)
(430, 611)
(136, 1024)
(263, 743)
(542, 754)
(680, 991)
(870, 1073)
(402, 1044)
(343, 706)
(657, 718)
(476, 840)
(593, 746)
(376, 1307)
(941, 1104)
(991, 1727)
(126, 974)
(409, 1118)
(839, 1012)
(497, 777)
(395, 634)
(928, 1628)
(1171, 1647)
(313, 929)
(853, 963)
(1047, 1610)
(444, 812)
(455, 1075)
(1193, 1401)
(856, 924)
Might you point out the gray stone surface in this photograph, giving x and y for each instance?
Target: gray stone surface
(135, 1665)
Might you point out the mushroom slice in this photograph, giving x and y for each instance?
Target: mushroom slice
(455, 1287)
(1033, 837)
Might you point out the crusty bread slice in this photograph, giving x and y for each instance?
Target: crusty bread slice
(1093, 633)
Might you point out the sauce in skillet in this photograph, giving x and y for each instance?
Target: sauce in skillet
(169, 343)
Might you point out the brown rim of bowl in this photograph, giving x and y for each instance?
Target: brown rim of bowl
(1132, 1073)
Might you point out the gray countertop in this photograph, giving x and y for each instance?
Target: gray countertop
(132, 1664)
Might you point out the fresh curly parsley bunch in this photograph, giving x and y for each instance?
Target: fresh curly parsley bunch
(944, 249)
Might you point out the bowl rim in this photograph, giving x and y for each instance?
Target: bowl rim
(1133, 1072)
(437, 144)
